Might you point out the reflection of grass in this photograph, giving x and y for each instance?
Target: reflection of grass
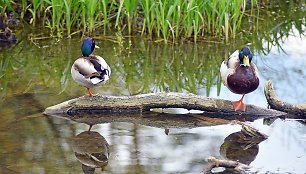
(27, 67)
(279, 20)
(153, 67)
(150, 67)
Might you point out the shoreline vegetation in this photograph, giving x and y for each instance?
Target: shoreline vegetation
(165, 20)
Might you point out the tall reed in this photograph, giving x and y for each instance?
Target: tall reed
(167, 20)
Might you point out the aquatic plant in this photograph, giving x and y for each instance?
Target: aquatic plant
(167, 20)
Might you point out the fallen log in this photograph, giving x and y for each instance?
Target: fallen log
(211, 107)
(297, 110)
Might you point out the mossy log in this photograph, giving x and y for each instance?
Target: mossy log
(211, 107)
(299, 110)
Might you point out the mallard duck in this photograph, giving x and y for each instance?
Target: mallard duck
(90, 70)
(7, 38)
(240, 75)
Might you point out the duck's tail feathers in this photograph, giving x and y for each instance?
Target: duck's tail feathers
(96, 80)
(102, 76)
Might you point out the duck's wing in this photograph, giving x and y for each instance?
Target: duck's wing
(229, 65)
(224, 71)
(84, 67)
(101, 64)
(91, 69)
(233, 60)
(101, 67)
(255, 69)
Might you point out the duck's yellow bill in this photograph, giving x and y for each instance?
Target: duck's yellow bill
(96, 46)
(246, 61)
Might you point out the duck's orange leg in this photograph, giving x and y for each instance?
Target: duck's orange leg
(239, 105)
(90, 94)
(90, 126)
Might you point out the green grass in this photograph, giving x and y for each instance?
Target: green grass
(167, 20)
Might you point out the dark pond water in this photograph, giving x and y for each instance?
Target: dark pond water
(36, 74)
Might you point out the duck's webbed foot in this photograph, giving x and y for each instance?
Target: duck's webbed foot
(89, 93)
(239, 105)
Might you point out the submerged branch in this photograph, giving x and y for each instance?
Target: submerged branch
(211, 107)
(214, 162)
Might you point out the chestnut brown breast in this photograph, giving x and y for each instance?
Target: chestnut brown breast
(243, 81)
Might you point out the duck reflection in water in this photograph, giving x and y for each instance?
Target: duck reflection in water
(91, 149)
(240, 147)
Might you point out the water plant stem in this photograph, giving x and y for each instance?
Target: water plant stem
(167, 20)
